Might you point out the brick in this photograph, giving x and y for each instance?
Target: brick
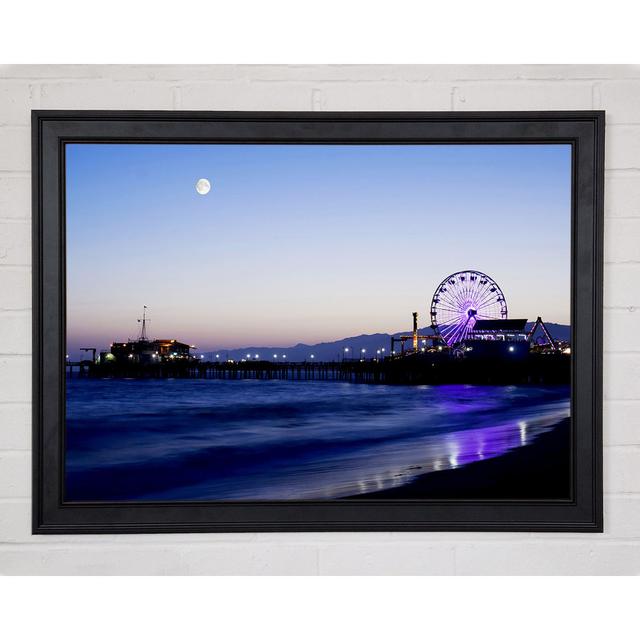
(621, 285)
(15, 425)
(350, 72)
(82, 559)
(548, 558)
(135, 72)
(622, 147)
(399, 558)
(622, 376)
(256, 559)
(622, 516)
(622, 195)
(15, 149)
(622, 240)
(621, 101)
(15, 333)
(239, 96)
(106, 94)
(15, 378)
(16, 101)
(15, 474)
(15, 197)
(621, 422)
(571, 73)
(155, 559)
(48, 71)
(15, 243)
(621, 471)
(526, 96)
(378, 96)
(15, 288)
(15, 520)
(621, 330)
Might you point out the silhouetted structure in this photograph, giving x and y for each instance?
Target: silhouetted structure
(147, 352)
(144, 351)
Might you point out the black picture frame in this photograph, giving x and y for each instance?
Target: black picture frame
(51, 130)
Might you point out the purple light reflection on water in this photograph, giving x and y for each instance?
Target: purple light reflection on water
(454, 450)
(242, 440)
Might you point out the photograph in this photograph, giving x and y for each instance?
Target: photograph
(274, 322)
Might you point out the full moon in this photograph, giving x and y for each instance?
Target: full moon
(203, 186)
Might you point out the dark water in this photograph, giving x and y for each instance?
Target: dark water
(253, 439)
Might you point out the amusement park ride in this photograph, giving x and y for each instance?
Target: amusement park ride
(470, 340)
(469, 310)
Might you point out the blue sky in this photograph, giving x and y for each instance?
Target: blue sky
(306, 243)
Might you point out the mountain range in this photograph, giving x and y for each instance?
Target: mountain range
(345, 347)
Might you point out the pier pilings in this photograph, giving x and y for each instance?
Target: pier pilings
(428, 369)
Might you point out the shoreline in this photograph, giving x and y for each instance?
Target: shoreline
(540, 470)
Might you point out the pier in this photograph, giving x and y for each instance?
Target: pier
(427, 368)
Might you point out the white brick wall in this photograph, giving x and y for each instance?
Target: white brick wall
(613, 88)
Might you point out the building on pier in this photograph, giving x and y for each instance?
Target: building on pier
(497, 339)
(146, 351)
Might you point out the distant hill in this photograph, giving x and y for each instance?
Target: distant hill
(346, 347)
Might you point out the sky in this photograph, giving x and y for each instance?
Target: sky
(306, 243)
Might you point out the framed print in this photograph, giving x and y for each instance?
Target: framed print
(317, 321)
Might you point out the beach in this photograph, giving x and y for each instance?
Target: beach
(540, 470)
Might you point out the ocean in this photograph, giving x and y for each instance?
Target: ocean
(201, 439)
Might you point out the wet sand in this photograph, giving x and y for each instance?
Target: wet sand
(540, 470)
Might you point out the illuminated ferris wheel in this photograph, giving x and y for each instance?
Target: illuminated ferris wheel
(460, 300)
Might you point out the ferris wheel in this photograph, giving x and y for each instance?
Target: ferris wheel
(460, 300)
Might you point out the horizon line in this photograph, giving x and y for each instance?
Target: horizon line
(248, 345)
